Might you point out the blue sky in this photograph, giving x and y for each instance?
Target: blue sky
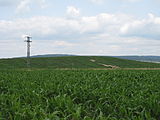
(84, 27)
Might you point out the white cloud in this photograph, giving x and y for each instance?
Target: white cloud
(145, 28)
(73, 11)
(42, 3)
(24, 6)
(110, 24)
(107, 34)
(102, 1)
(97, 1)
(63, 43)
(46, 26)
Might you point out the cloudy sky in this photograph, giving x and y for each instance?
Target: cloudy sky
(83, 27)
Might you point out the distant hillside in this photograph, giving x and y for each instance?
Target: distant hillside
(51, 55)
(154, 59)
(75, 62)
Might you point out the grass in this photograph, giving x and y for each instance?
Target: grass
(79, 95)
(74, 62)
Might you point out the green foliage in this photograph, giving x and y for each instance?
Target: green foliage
(82, 62)
(79, 95)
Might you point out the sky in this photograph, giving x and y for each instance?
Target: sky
(82, 27)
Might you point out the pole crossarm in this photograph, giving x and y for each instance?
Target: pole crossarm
(28, 39)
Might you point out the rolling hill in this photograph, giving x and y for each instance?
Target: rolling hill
(51, 55)
(84, 62)
(154, 59)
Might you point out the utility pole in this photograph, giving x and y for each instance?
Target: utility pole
(28, 40)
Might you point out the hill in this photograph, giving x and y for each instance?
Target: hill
(51, 55)
(75, 62)
(154, 59)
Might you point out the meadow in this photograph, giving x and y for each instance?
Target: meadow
(76, 62)
(79, 94)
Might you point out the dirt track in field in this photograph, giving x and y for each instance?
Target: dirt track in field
(105, 65)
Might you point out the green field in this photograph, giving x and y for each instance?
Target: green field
(77, 88)
(74, 62)
(79, 95)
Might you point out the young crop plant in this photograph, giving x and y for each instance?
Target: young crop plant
(79, 95)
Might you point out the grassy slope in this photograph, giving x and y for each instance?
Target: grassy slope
(74, 62)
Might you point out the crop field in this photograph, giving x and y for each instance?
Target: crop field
(80, 95)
